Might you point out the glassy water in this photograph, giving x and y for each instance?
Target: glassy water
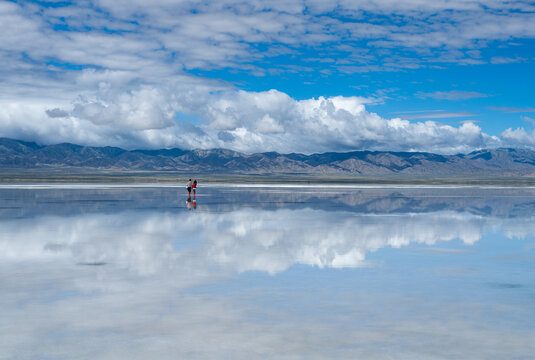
(245, 272)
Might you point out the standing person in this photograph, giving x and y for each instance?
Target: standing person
(188, 186)
(194, 188)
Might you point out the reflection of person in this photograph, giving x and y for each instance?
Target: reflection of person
(188, 203)
(194, 188)
(191, 204)
(188, 186)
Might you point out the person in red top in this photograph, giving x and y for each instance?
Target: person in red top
(194, 188)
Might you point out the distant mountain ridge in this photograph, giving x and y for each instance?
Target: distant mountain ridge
(503, 161)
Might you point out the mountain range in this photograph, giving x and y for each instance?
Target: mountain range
(17, 154)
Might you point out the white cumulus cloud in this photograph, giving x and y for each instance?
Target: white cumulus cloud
(244, 121)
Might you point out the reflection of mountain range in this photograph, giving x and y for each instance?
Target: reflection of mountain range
(506, 162)
(261, 230)
(498, 203)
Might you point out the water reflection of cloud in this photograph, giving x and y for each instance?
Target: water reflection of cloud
(149, 242)
(116, 316)
(141, 302)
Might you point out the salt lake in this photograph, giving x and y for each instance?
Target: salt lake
(266, 271)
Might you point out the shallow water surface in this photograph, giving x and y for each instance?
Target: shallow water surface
(244, 272)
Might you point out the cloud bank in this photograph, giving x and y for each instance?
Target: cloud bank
(244, 121)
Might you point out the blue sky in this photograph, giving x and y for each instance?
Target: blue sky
(288, 76)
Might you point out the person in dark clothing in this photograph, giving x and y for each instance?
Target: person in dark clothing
(188, 187)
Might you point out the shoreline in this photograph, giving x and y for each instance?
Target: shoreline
(67, 176)
(260, 186)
